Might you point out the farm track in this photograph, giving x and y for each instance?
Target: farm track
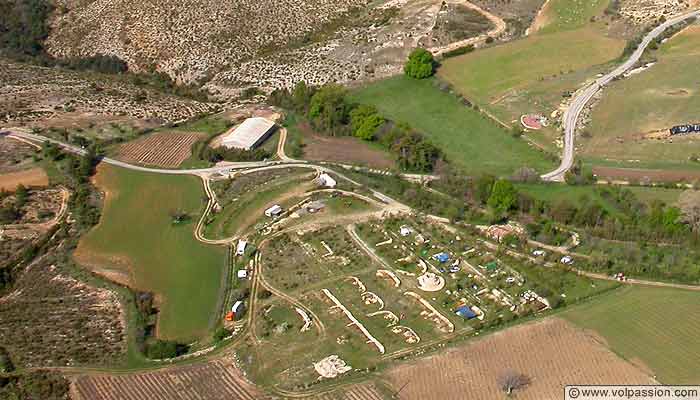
(499, 27)
(583, 97)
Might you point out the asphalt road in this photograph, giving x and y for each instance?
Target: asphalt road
(580, 100)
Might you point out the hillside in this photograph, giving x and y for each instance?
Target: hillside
(186, 39)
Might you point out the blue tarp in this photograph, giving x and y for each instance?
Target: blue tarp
(442, 257)
(465, 312)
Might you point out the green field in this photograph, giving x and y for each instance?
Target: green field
(531, 74)
(653, 326)
(666, 94)
(554, 192)
(136, 232)
(468, 138)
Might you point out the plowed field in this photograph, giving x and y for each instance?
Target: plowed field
(218, 380)
(168, 149)
(552, 353)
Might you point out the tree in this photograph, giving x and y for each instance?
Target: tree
(328, 110)
(420, 64)
(162, 349)
(301, 96)
(364, 121)
(221, 334)
(503, 197)
(511, 380)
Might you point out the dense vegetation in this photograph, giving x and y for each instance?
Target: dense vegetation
(329, 111)
(40, 385)
(420, 64)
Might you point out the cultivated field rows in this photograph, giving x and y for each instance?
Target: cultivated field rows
(167, 149)
(219, 380)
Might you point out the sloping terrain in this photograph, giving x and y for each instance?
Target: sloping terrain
(32, 93)
(52, 319)
(185, 39)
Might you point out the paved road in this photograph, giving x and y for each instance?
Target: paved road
(580, 100)
(201, 171)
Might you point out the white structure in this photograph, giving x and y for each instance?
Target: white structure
(242, 274)
(405, 231)
(325, 180)
(273, 211)
(240, 249)
(250, 134)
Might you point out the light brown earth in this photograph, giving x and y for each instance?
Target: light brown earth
(645, 175)
(217, 380)
(343, 149)
(552, 353)
(34, 177)
(166, 149)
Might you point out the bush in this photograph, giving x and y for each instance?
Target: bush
(221, 334)
(420, 64)
(163, 349)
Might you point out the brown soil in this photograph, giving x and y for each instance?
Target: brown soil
(213, 380)
(551, 353)
(343, 150)
(35, 177)
(168, 149)
(645, 175)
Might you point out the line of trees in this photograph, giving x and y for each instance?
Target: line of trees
(329, 111)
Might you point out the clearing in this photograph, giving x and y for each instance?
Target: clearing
(533, 349)
(664, 95)
(468, 138)
(637, 324)
(136, 237)
(34, 177)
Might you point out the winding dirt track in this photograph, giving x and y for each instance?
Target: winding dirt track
(499, 27)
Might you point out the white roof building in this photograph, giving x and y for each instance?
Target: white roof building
(240, 249)
(273, 211)
(250, 134)
(325, 180)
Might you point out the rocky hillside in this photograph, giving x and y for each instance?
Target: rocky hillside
(187, 39)
(32, 93)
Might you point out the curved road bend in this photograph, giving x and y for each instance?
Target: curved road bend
(581, 99)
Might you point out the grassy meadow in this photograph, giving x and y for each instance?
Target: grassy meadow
(652, 327)
(136, 235)
(468, 138)
(666, 94)
(531, 74)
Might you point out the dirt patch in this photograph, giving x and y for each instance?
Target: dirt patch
(168, 149)
(541, 20)
(14, 154)
(34, 177)
(213, 380)
(679, 93)
(344, 149)
(645, 175)
(552, 353)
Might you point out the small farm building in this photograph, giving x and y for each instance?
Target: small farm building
(250, 134)
(242, 274)
(325, 180)
(240, 249)
(273, 211)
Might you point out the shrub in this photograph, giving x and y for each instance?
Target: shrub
(420, 64)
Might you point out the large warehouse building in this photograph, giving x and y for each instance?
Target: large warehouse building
(250, 134)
